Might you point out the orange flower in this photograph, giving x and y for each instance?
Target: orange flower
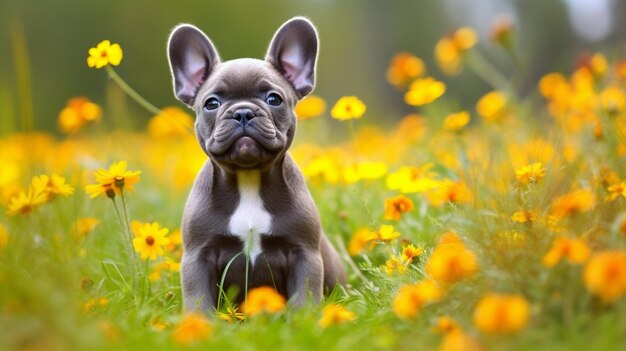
(409, 252)
(532, 173)
(574, 202)
(615, 191)
(78, 112)
(404, 68)
(396, 206)
(451, 261)
(445, 325)
(192, 328)
(574, 250)
(501, 314)
(605, 275)
(411, 298)
(263, 299)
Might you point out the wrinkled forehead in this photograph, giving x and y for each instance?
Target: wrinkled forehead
(243, 78)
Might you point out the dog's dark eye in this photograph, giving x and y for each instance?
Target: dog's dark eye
(212, 104)
(273, 99)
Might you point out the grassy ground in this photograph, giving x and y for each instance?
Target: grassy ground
(63, 287)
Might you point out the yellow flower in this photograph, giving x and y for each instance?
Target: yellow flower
(577, 201)
(395, 264)
(150, 240)
(613, 100)
(359, 241)
(104, 54)
(78, 112)
(575, 250)
(95, 190)
(263, 299)
(24, 202)
(386, 233)
(83, 226)
(4, 237)
(524, 216)
(458, 340)
(423, 91)
(449, 191)
(231, 315)
(334, 314)
(616, 190)
(412, 179)
(170, 122)
(192, 328)
(501, 314)
(409, 252)
(451, 261)
(348, 107)
(403, 68)
(450, 50)
(456, 121)
(492, 106)
(530, 174)
(116, 178)
(605, 275)
(50, 186)
(396, 206)
(309, 107)
(411, 298)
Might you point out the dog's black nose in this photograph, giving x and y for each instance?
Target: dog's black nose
(243, 115)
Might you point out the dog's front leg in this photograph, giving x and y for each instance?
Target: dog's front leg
(306, 274)
(198, 280)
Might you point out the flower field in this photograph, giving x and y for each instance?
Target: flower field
(497, 225)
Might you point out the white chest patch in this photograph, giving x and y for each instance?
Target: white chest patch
(250, 219)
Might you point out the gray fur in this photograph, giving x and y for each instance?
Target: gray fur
(297, 258)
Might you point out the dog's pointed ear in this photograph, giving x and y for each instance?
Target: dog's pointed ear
(192, 57)
(293, 51)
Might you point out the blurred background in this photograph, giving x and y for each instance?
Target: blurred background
(44, 46)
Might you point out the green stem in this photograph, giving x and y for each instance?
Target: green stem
(130, 91)
(486, 71)
(129, 249)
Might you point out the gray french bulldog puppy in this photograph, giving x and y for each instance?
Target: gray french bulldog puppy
(250, 203)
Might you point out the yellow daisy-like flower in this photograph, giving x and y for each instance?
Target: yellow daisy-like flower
(309, 107)
(334, 314)
(360, 240)
(386, 233)
(115, 179)
(394, 264)
(532, 173)
(456, 121)
(263, 299)
(51, 186)
(409, 252)
(616, 190)
(231, 315)
(150, 239)
(104, 54)
(348, 107)
(25, 202)
(451, 261)
(424, 91)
